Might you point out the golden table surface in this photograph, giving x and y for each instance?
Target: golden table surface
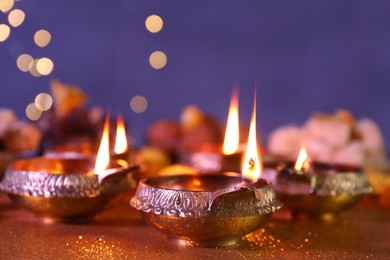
(119, 233)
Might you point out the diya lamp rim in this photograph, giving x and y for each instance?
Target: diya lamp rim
(38, 183)
(198, 203)
(242, 183)
(352, 181)
(317, 168)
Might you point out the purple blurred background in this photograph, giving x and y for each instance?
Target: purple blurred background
(304, 56)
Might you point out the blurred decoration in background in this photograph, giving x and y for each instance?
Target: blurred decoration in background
(154, 23)
(306, 57)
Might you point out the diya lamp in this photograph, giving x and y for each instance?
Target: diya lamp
(68, 189)
(229, 156)
(319, 190)
(210, 209)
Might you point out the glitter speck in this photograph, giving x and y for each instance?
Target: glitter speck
(80, 237)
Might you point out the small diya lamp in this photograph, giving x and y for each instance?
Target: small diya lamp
(319, 190)
(225, 158)
(68, 189)
(211, 209)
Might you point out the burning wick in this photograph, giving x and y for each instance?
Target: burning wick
(103, 155)
(302, 165)
(121, 146)
(252, 164)
(252, 167)
(232, 134)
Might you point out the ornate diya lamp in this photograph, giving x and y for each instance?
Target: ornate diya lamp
(319, 190)
(67, 189)
(210, 209)
(64, 189)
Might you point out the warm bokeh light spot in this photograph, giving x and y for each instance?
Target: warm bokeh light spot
(138, 104)
(42, 38)
(158, 60)
(43, 101)
(6, 5)
(120, 138)
(4, 32)
(32, 112)
(252, 165)
(45, 66)
(154, 23)
(24, 62)
(33, 68)
(16, 17)
(232, 134)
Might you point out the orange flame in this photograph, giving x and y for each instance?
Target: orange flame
(231, 142)
(303, 161)
(252, 165)
(121, 139)
(103, 155)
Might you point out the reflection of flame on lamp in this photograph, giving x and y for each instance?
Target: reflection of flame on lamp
(103, 156)
(303, 161)
(121, 139)
(252, 165)
(231, 142)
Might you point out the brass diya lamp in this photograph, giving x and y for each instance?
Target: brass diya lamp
(209, 209)
(319, 190)
(64, 189)
(68, 189)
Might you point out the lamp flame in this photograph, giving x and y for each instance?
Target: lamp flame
(103, 155)
(231, 142)
(303, 161)
(121, 139)
(252, 166)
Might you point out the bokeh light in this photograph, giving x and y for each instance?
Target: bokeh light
(16, 17)
(33, 68)
(4, 32)
(158, 60)
(138, 104)
(154, 23)
(32, 112)
(44, 66)
(6, 5)
(42, 38)
(24, 62)
(43, 101)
